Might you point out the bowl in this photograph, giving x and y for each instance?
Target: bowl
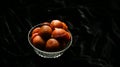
(48, 54)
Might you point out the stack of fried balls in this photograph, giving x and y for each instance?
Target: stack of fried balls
(51, 36)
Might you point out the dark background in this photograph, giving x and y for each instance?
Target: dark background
(94, 25)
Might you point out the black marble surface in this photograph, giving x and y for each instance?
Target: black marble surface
(93, 24)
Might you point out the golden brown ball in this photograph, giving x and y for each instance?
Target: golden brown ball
(56, 24)
(59, 33)
(33, 35)
(36, 30)
(52, 44)
(37, 40)
(45, 31)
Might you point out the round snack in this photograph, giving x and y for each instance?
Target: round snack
(45, 31)
(36, 30)
(52, 45)
(56, 24)
(33, 35)
(61, 34)
(37, 40)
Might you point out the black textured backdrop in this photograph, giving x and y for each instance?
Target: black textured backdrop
(94, 25)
